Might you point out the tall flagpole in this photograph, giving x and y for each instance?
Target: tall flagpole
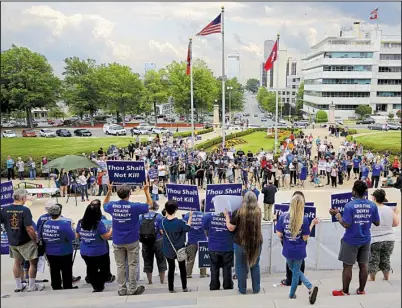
(223, 81)
(192, 93)
(277, 95)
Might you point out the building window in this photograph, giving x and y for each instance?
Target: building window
(345, 107)
(294, 86)
(381, 107)
(387, 69)
(293, 68)
(391, 45)
(389, 94)
(347, 68)
(348, 55)
(389, 81)
(396, 106)
(346, 81)
(390, 56)
(338, 94)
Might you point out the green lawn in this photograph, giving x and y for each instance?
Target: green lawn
(56, 147)
(382, 141)
(255, 142)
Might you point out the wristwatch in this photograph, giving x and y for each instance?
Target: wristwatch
(338, 215)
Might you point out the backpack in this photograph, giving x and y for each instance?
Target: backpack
(147, 230)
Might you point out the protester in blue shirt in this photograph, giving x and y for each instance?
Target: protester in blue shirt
(152, 245)
(10, 168)
(293, 228)
(93, 246)
(358, 215)
(174, 238)
(220, 245)
(356, 166)
(195, 235)
(125, 217)
(376, 173)
(58, 236)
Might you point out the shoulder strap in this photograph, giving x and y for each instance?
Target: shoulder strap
(154, 218)
(164, 230)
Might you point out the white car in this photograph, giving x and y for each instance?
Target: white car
(114, 129)
(159, 130)
(145, 126)
(9, 134)
(47, 133)
(254, 126)
(394, 126)
(233, 127)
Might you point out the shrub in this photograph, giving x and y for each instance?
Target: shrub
(352, 131)
(197, 132)
(321, 116)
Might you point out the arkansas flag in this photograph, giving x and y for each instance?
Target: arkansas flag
(189, 58)
(374, 14)
(272, 57)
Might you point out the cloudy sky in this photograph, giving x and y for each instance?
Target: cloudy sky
(135, 33)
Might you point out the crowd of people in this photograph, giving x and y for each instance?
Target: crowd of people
(234, 240)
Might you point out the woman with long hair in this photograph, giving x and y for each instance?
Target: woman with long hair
(64, 182)
(382, 237)
(293, 228)
(246, 225)
(93, 246)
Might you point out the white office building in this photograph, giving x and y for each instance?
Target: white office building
(233, 66)
(149, 66)
(360, 67)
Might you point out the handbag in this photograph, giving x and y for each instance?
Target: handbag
(181, 254)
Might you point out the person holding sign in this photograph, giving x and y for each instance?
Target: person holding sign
(358, 215)
(383, 237)
(125, 222)
(195, 235)
(246, 225)
(93, 237)
(293, 228)
(174, 237)
(220, 245)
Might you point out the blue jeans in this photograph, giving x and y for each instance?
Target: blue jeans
(241, 270)
(297, 275)
(32, 174)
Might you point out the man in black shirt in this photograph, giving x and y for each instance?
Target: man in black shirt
(17, 221)
(269, 192)
(240, 153)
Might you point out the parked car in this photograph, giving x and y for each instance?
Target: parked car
(254, 126)
(394, 126)
(29, 133)
(233, 127)
(58, 123)
(47, 133)
(171, 120)
(145, 126)
(339, 122)
(375, 126)
(208, 125)
(63, 133)
(255, 115)
(139, 131)
(8, 134)
(114, 129)
(264, 119)
(366, 121)
(300, 124)
(82, 132)
(159, 130)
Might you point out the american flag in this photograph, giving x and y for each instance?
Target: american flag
(213, 27)
(374, 14)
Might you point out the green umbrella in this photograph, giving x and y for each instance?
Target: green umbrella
(71, 162)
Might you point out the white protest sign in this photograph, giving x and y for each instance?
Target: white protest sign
(231, 203)
(321, 165)
(230, 155)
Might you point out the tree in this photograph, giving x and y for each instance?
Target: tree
(56, 112)
(398, 113)
(122, 90)
(252, 85)
(27, 81)
(82, 86)
(156, 89)
(299, 98)
(321, 116)
(391, 115)
(204, 85)
(363, 110)
(267, 100)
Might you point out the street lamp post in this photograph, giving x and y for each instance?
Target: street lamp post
(230, 103)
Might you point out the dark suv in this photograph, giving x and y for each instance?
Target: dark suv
(366, 121)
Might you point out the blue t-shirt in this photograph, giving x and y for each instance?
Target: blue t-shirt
(377, 168)
(125, 216)
(359, 214)
(356, 162)
(219, 237)
(196, 233)
(158, 220)
(365, 171)
(58, 237)
(176, 230)
(91, 242)
(46, 217)
(294, 248)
